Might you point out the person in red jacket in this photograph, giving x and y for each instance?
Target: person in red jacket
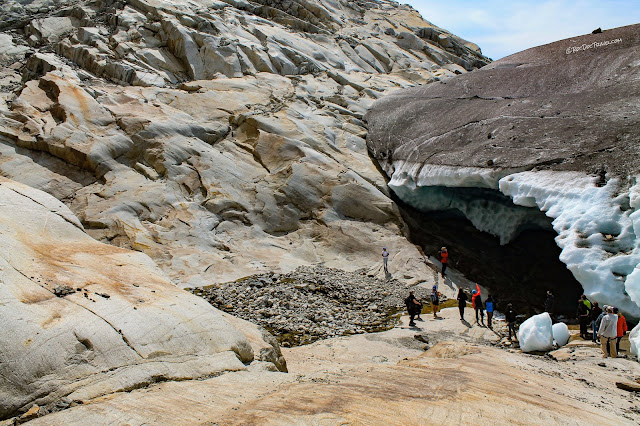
(444, 259)
(476, 301)
(622, 328)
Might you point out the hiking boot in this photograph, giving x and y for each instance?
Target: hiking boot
(412, 324)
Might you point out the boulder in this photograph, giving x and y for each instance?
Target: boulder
(535, 334)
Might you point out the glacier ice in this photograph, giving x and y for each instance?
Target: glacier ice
(535, 334)
(488, 210)
(634, 339)
(598, 226)
(560, 333)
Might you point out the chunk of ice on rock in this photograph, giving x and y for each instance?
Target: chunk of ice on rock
(560, 333)
(634, 339)
(535, 334)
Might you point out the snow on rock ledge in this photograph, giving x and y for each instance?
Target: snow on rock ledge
(535, 334)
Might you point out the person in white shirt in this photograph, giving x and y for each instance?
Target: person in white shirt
(608, 332)
(385, 259)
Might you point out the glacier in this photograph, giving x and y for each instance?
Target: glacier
(597, 222)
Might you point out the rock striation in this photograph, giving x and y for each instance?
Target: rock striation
(221, 138)
(554, 128)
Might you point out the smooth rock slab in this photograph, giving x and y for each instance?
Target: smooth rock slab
(125, 325)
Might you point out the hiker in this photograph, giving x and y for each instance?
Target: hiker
(599, 321)
(462, 302)
(414, 307)
(488, 304)
(586, 301)
(510, 316)
(444, 259)
(608, 331)
(476, 301)
(385, 259)
(595, 313)
(549, 303)
(435, 301)
(621, 328)
(583, 317)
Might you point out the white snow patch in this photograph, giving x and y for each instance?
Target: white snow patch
(596, 229)
(560, 333)
(535, 334)
(412, 174)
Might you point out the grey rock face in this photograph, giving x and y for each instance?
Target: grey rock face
(542, 108)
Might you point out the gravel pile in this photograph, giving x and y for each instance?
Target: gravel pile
(313, 303)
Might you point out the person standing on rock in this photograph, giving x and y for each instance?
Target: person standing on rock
(608, 332)
(549, 304)
(510, 316)
(489, 304)
(385, 260)
(583, 317)
(444, 260)
(621, 328)
(435, 301)
(599, 322)
(462, 302)
(476, 301)
(413, 307)
(595, 314)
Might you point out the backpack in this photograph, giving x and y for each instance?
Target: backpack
(434, 298)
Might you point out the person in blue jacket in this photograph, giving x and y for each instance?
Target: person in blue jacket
(488, 306)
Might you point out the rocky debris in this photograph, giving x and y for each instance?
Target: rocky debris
(313, 303)
(63, 290)
(129, 327)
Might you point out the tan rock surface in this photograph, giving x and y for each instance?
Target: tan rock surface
(387, 378)
(83, 319)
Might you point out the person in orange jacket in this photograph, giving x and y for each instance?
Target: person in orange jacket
(622, 328)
